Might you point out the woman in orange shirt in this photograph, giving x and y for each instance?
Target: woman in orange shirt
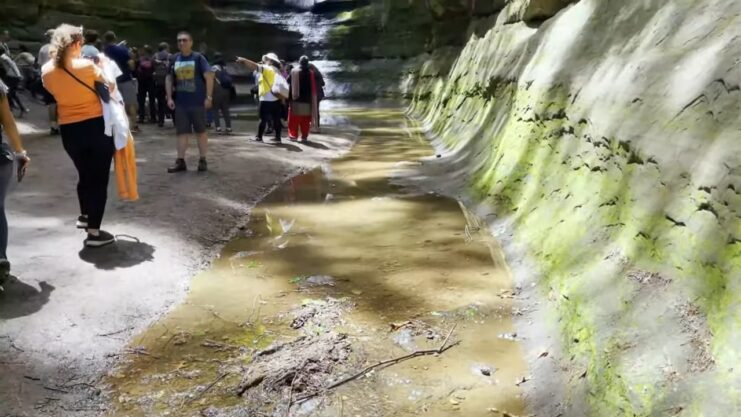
(71, 80)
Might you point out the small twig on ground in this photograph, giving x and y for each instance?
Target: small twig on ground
(79, 384)
(139, 351)
(384, 364)
(135, 351)
(290, 393)
(245, 386)
(32, 378)
(445, 342)
(55, 389)
(211, 385)
(217, 345)
(114, 333)
(214, 241)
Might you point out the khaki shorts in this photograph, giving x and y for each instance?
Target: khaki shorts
(128, 92)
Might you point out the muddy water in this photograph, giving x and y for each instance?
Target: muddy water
(343, 232)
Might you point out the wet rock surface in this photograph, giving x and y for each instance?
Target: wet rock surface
(565, 121)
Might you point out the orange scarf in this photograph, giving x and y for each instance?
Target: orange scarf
(125, 167)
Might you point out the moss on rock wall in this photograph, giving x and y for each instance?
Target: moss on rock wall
(608, 134)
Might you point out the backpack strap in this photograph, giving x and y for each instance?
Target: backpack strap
(197, 58)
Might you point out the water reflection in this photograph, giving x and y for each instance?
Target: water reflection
(409, 264)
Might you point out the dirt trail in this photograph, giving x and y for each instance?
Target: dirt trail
(70, 311)
(336, 271)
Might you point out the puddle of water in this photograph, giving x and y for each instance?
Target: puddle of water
(343, 232)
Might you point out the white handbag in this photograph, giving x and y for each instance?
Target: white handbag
(280, 86)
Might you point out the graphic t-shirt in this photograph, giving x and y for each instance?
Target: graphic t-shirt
(190, 84)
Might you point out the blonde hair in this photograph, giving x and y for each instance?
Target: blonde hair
(64, 36)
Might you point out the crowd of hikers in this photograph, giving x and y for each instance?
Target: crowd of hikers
(98, 91)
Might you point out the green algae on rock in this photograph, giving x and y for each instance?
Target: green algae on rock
(607, 134)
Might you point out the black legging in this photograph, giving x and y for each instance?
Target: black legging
(222, 101)
(92, 152)
(146, 88)
(270, 111)
(160, 93)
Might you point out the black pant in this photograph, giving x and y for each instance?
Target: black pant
(146, 87)
(160, 94)
(222, 101)
(92, 152)
(270, 112)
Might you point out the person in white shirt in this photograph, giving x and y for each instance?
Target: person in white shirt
(272, 89)
(12, 77)
(45, 55)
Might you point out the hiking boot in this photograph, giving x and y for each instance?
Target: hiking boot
(218, 130)
(276, 140)
(258, 139)
(81, 222)
(103, 238)
(202, 165)
(228, 131)
(53, 131)
(178, 167)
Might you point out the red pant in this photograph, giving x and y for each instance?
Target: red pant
(296, 122)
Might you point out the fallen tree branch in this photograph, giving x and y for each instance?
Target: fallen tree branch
(384, 364)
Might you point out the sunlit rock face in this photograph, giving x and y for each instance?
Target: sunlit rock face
(605, 133)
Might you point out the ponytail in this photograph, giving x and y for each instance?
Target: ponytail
(64, 37)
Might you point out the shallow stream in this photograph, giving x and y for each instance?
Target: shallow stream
(406, 269)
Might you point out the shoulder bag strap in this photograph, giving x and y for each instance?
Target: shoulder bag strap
(80, 81)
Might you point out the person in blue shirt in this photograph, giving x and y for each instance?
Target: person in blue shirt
(121, 55)
(192, 79)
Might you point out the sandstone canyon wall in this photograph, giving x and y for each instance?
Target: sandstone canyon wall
(605, 139)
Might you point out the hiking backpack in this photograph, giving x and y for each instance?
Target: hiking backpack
(161, 69)
(146, 67)
(224, 79)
